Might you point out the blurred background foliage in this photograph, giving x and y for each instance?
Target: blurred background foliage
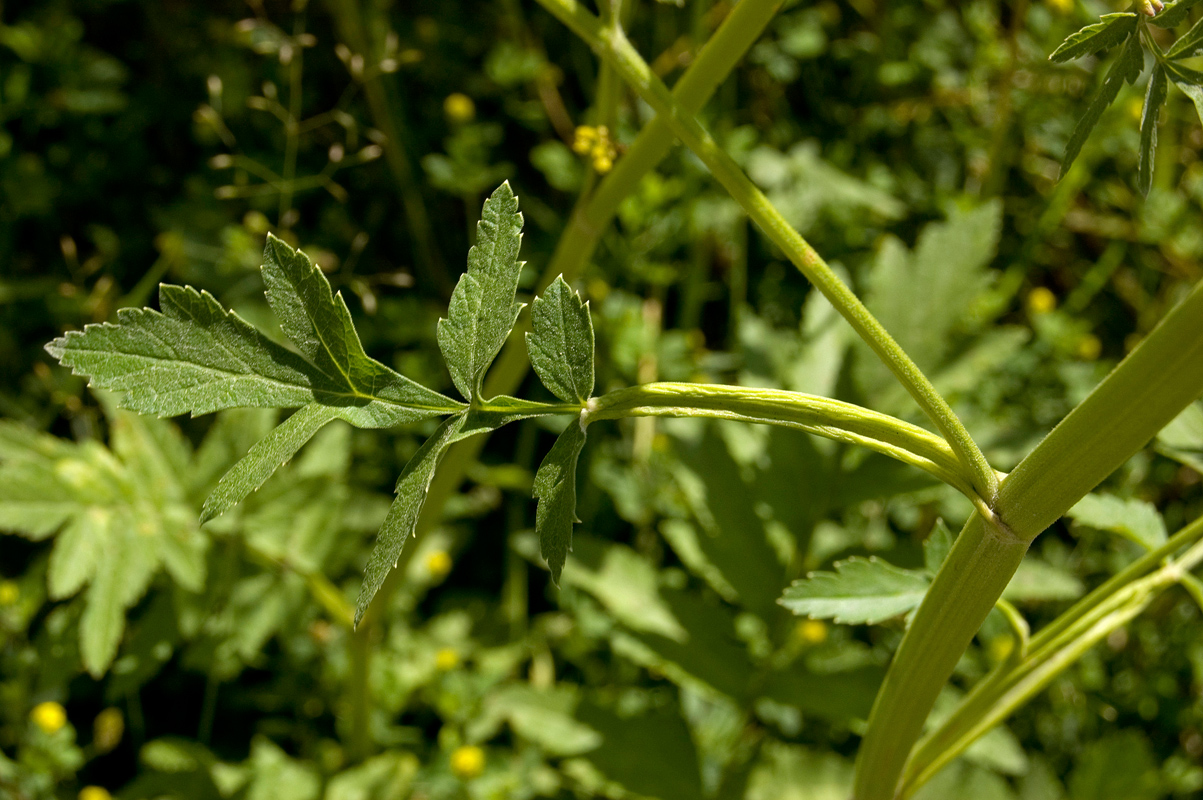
(916, 143)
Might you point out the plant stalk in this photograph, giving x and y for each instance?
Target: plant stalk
(611, 45)
(822, 416)
(1147, 390)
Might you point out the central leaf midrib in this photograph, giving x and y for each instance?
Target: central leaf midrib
(275, 381)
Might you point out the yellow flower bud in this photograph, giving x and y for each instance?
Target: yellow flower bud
(94, 793)
(812, 631)
(1089, 347)
(584, 140)
(1041, 300)
(459, 107)
(49, 716)
(446, 659)
(438, 563)
(468, 761)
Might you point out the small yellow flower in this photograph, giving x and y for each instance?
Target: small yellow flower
(459, 107)
(468, 761)
(597, 145)
(1089, 347)
(1062, 6)
(446, 659)
(812, 631)
(49, 716)
(1041, 300)
(10, 593)
(107, 729)
(94, 793)
(584, 140)
(438, 563)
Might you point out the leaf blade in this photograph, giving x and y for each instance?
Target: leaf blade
(555, 489)
(561, 343)
(402, 517)
(1154, 100)
(483, 310)
(194, 357)
(860, 592)
(1110, 30)
(1126, 68)
(265, 457)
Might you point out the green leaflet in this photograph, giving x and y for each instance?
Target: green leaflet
(193, 357)
(555, 488)
(561, 343)
(196, 357)
(369, 394)
(1154, 100)
(265, 458)
(860, 591)
(1133, 519)
(1188, 44)
(483, 310)
(869, 591)
(1126, 68)
(1110, 30)
(403, 515)
(1190, 82)
(1174, 14)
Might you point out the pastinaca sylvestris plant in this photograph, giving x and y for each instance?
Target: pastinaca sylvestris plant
(195, 356)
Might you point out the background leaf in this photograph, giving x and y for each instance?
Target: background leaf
(860, 592)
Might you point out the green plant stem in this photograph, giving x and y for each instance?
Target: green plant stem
(1147, 390)
(833, 419)
(612, 45)
(1053, 649)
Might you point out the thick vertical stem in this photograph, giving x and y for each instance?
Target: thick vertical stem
(1147, 390)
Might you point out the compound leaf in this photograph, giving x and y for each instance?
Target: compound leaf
(1154, 100)
(1126, 68)
(403, 514)
(561, 342)
(860, 591)
(483, 310)
(1110, 30)
(555, 488)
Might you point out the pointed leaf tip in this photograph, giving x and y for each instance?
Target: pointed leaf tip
(483, 307)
